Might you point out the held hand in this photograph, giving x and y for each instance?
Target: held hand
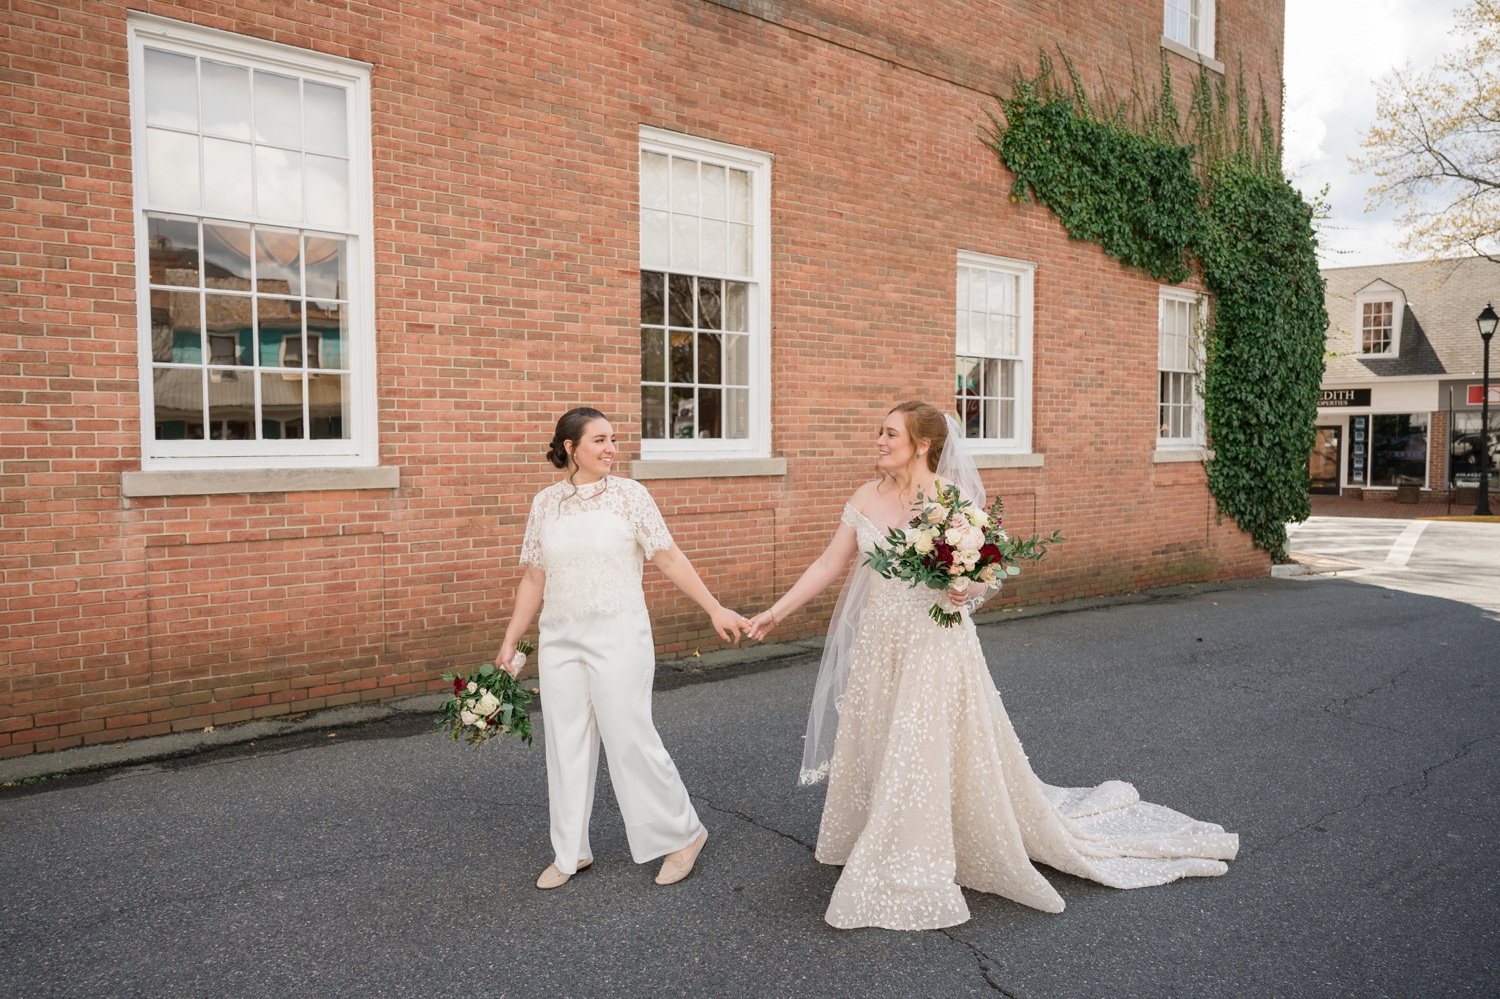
(728, 624)
(506, 655)
(761, 625)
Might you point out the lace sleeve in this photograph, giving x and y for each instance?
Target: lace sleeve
(531, 545)
(650, 530)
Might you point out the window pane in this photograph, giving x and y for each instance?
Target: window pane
(328, 407)
(653, 300)
(737, 413)
(653, 355)
(226, 256)
(1398, 450)
(654, 182)
(172, 168)
(710, 413)
(279, 325)
(171, 90)
(278, 262)
(226, 172)
(737, 360)
(684, 185)
(278, 110)
(327, 335)
(231, 405)
(738, 196)
(226, 100)
(174, 251)
(1002, 335)
(681, 412)
(714, 254)
(714, 191)
(281, 407)
(327, 267)
(709, 305)
(968, 415)
(738, 251)
(653, 412)
(278, 184)
(685, 242)
(229, 326)
(178, 404)
(175, 333)
(710, 362)
(679, 300)
(327, 118)
(655, 240)
(681, 360)
(327, 191)
(737, 307)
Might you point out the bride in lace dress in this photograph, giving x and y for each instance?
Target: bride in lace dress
(928, 786)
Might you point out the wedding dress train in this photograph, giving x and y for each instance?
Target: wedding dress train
(929, 788)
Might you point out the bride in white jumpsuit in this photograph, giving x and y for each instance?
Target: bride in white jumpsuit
(585, 542)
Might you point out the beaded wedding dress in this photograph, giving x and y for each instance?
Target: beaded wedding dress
(929, 788)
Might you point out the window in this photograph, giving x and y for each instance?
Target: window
(1398, 450)
(992, 383)
(1464, 447)
(705, 298)
(253, 222)
(1190, 23)
(1375, 328)
(1179, 360)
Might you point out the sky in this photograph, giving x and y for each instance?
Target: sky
(1335, 51)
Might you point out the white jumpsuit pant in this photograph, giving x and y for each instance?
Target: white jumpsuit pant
(596, 674)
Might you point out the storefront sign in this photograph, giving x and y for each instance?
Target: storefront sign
(1476, 395)
(1341, 398)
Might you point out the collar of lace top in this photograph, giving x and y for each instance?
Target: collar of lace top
(590, 490)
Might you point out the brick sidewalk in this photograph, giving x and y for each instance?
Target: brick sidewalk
(1340, 506)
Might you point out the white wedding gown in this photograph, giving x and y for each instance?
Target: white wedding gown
(929, 788)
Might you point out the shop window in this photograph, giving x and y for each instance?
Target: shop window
(1464, 449)
(252, 201)
(1179, 363)
(705, 258)
(992, 371)
(1398, 450)
(1191, 23)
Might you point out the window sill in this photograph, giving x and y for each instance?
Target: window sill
(1182, 454)
(705, 468)
(1008, 460)
(1172, 45)
(206, 482)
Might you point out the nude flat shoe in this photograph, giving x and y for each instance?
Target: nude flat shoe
(680, 864)
(553, 878)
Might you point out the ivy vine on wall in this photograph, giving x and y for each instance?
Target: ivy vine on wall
(1208, 196)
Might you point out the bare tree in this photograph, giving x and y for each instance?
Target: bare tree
(1435, 146)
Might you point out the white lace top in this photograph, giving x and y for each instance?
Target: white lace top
(591, 542)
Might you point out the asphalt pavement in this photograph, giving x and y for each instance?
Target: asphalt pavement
(1345, 729)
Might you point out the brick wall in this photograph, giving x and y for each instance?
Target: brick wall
(506, 265)
(1437, 452)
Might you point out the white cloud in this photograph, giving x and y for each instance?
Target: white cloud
(1335, 51)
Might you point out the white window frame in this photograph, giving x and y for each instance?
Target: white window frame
(1199, 438)
(362, 447)
(1379, 291)
(1203, 12)
(1025, 271)
(758, 443)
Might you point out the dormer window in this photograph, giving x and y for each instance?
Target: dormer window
(1378, 310)
(1376, 327)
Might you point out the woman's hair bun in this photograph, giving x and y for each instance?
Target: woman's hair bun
(570, 427)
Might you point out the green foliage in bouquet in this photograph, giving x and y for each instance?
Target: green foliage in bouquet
(949, 539)
(487, 704)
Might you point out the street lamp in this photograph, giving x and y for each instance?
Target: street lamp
(1487, 320)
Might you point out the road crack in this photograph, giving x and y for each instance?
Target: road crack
(752, 820)
(984, 961)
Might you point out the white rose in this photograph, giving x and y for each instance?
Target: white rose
(987, 574)
(913, 535)
(480, 724)
(979, 518)
(936, 514)
(488, 704)
(968, 558)
(954, 536)
(467, 717)
(923, 544)
(473, 686)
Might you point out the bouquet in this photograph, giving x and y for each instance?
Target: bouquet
(488, 703)
(948, 540)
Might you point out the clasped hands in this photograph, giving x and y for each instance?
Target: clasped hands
(958, 592)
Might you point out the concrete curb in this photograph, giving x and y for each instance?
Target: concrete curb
(671, 674)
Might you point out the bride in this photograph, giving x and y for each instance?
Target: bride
(928, 786)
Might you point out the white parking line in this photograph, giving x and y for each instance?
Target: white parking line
(1402, 549)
